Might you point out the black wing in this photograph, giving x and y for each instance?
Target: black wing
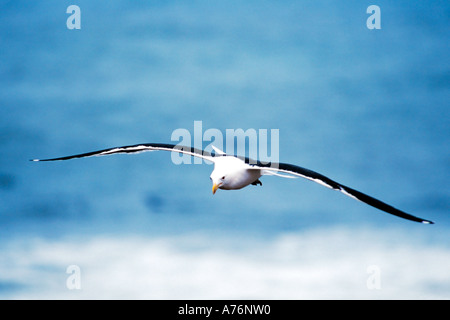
(139, 148)
(319, 178)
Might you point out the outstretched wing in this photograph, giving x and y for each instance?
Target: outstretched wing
(327, 182)
(140, 148)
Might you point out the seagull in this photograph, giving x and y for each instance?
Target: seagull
(233, 172)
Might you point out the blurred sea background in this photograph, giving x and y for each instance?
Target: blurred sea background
(368, 108)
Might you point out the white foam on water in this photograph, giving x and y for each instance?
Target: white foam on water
(333, 263)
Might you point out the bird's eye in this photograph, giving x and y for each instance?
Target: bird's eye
(223, 178)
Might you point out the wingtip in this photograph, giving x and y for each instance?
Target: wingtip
(34, 160)
(427, 222)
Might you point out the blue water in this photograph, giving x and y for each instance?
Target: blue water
(368, 108)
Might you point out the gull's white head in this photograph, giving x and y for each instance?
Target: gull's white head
(217, 181)
(220, 172)
(220, 175)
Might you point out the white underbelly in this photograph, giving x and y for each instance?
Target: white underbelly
(241, 179)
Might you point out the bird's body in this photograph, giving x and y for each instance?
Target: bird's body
(233, 173)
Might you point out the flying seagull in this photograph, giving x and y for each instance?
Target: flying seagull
(232, 173)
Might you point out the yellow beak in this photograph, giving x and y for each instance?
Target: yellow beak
(215, 187)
